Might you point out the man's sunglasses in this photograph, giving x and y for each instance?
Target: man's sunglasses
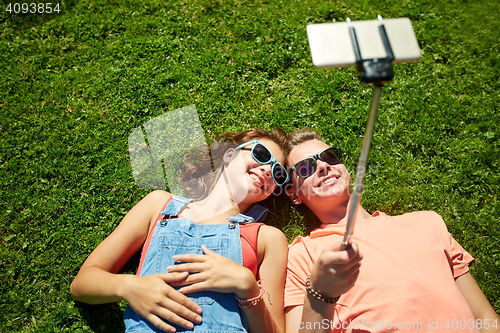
(261, 154)
(307, 166)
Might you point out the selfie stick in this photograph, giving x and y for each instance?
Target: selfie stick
(376, 71)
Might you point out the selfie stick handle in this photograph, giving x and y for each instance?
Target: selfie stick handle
(360, 172)
(376, 71)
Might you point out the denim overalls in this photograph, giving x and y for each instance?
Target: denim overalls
(173, 236)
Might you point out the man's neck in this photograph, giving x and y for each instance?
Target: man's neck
(337, 211)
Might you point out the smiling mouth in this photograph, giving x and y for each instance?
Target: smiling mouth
(257, 180)
(328, 180)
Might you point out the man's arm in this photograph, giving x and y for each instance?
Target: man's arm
(334, 273)
(293, 318)
(313, 317)
(486, 317)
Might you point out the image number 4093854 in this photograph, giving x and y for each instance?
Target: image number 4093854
(33, 8)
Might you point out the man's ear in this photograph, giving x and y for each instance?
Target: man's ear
(292, 195)
(229, 155)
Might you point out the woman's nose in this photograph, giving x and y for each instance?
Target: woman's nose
(266, 169)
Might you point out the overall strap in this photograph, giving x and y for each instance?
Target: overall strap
(175, 206)
(241, 219)
(256, 214)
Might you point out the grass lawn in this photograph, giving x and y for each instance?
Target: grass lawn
(75, 84)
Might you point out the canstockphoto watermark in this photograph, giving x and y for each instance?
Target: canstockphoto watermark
(431, 324)
(354, 324)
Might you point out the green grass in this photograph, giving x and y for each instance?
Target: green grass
(75, 84)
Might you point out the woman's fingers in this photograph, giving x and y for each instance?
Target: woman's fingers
(192, 278)
(189, 267)
(174, 307)
(172, 277)
(180, 301)
(157, 322)
(153, 297)
(209, 271)
(174, 312)
(190, 257)
(199, 286)
(196, 257)
(207, 251)
(178, 304)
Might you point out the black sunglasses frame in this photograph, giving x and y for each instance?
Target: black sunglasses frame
(314, 159)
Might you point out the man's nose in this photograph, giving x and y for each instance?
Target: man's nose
(322, 167)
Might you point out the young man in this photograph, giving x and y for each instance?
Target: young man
(402, 273)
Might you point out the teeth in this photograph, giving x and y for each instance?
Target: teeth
(329, 180)
(256, 179)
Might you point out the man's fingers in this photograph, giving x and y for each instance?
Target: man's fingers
(336, 247)
(336, 256)
(348, 272)
(355, 250)
(339, 258)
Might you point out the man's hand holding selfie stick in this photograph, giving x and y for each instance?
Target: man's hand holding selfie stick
(367, 45)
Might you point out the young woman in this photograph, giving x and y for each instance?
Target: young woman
(203, 267)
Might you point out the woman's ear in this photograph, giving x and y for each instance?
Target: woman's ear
(229, 155)
(292, 195)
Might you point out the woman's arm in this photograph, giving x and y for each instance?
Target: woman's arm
(97, 281)
(479, 304)
(267, 317)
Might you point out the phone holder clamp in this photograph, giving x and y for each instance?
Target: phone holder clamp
(377, 70)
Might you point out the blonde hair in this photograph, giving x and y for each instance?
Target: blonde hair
(297, 137)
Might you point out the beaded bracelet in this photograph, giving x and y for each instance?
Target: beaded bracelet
(251, 302)
(330, 300)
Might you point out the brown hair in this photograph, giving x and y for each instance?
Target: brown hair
(200, 171)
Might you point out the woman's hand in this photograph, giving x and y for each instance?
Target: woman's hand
(214, 272)
(153, 298)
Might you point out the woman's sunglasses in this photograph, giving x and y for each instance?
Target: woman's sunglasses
(307, 166)
(261, 154)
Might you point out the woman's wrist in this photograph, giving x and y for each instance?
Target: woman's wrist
(123, 284)
(248, 286)
(248, 303)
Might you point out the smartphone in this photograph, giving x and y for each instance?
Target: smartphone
(331, 44)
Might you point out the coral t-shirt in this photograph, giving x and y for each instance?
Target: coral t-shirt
(406, 280)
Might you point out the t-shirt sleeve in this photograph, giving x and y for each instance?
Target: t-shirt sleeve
(460, 259)
(298, 268)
